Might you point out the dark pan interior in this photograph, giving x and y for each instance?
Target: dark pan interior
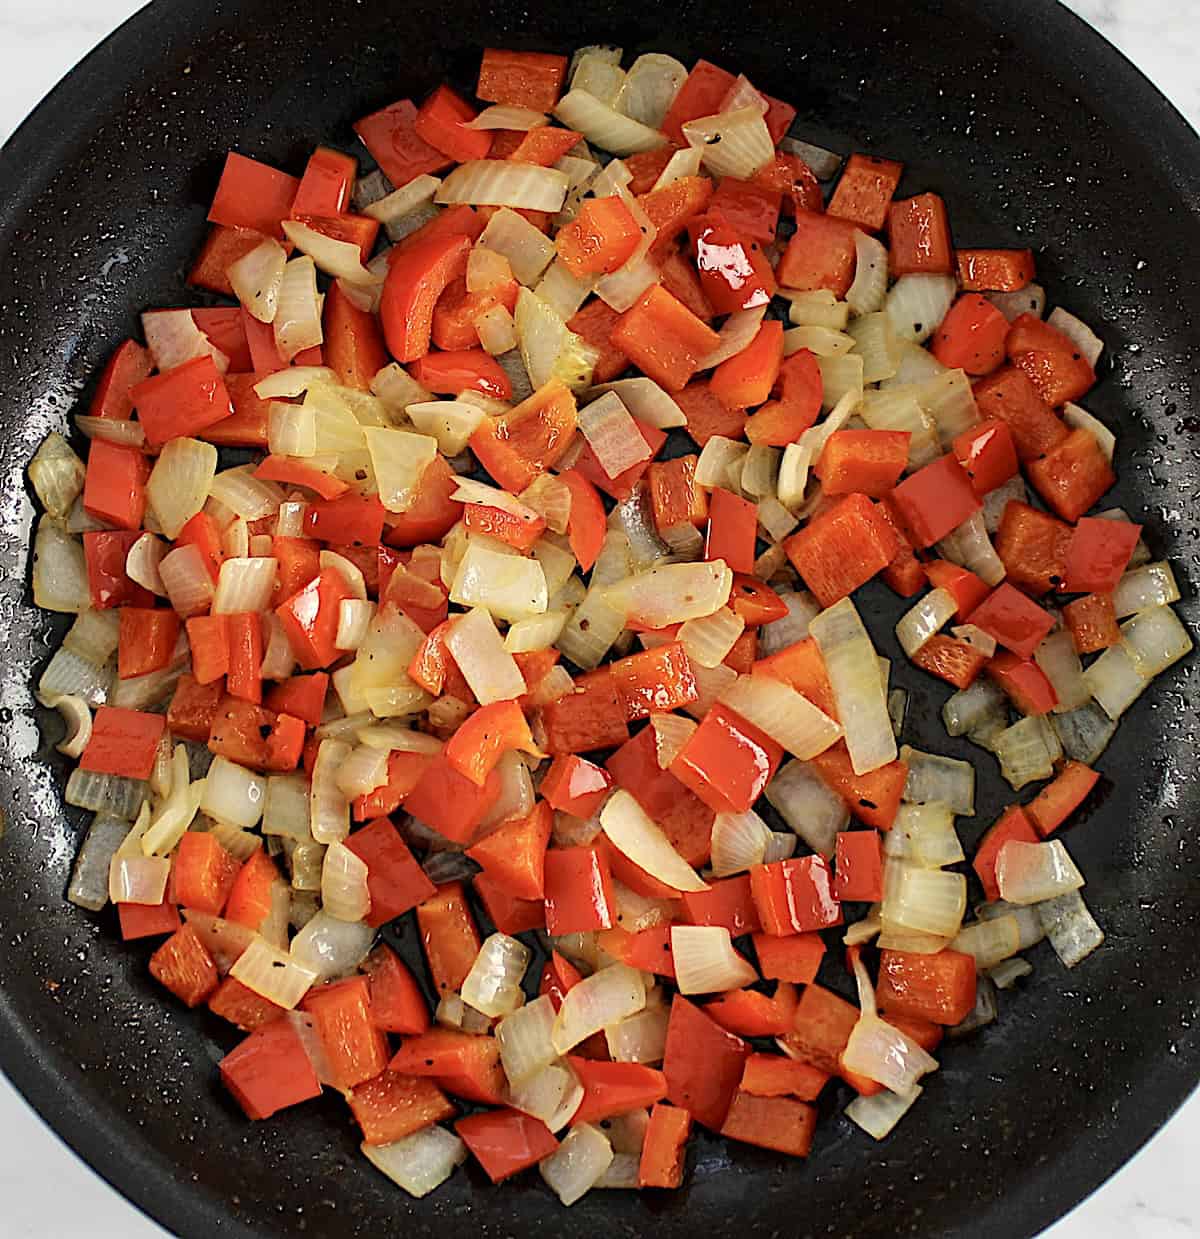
(1037, 133)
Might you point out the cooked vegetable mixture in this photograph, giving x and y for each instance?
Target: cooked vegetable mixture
(488, 553)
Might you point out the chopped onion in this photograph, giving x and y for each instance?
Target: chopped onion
(243, 494)
(736, 143)
(297, 321)
(1009, 971)
(558, 564)
(1152, 585)
(354, 621)
(329, 810)
(924, 835)
(294, 381)
(672, 593)
(970, 547)
(989, 942)
(1115, 681)
(969, 707)
(504, 183)
(649, 403)
(180, 481)
(642, 1038)
(898, 410)
(273, 974)
(548, 349)
(331, 947)
(603, 126)
(57, 474)
(613, 435)
(739, 842)
(736, 335)
(606, 997)
(496, 330)
(1155, 640)
(816, 308)
(508, 116)
(340, 259)
(711, 682)
(681, 164)
(244, 584)
(138, 879)
(450, 422)
(857, 690)
(405, 209)
(1023, 753)
(177, 813)
(1028, 873)
(344, 893)
(60, 576)
(785, 715)
(256, 279)
(538, 632)
(552, 1095)
(224, 940)
(948, 399)
(528, 250)
(562, 291)
(109, 430)
(478, 649)
(592, 628)
(802, 610)
(915, 366)
(578, 1163)
(233, 794)
(186, 580)
(709, 639)
(362, 772)
(917, 304)
(142, 561)
(420, 1162)
(1071, 928)
(929, 901)
(1087, 343)
(936, 779)
(879, 1113)
(509, 586)
(621, 289)
(1029, 925)
(866, 295)
(808, 806)
(399, 458)
(1059, 660)
(776, 522)
(1028, 300)
(88, 887)
(929, 616)
(105, 793)
(841, 379)
(650, 87)
(493, 984)
(173, 338)
(286, 807)
(635, 835)
(760, 470)
(975, 637)
(1080, 419)
(879, 1051)
(671, 733)
(524, 1039)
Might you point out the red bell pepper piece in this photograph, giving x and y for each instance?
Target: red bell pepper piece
(1060, 798)
(594, 322)
(247, 426)
(865, 190)
(866, 462)
(470, 369)
(1006, 271)
(751, 1013)
(299, 562)
(292, 472)
(575, 785)
(659, 679)
(801, 666)
(727, 761)
(988, 454)
(591, 717)
(1013, 619)
(672, 208)
(664, 338)
(489, 733)
(843, 548)
(820, 254)
(242, 1007)
(265, 357)
(432, 511)
(645, 167)
(396, 1001)
(270, 1071)
(1050, 359)
(1072, 476)
(355, 1049)
(393, 1105)
(587, 523)
(391, 137)
(707, 416)
(543, 146)
(450, 803)
(395, 880)
(225, 327)
(249, 900)
(326, 184)
(518, 446)
(623, 485)
(823, 1026)
(181, 402)
(746, 379)
(509, 914)
(801, 390)
(245, 656)
(795, 958)
(757, 604)
(1007, 395)
(675, 496)
(935, 500)
(734, 271)
(873, 798)
(405, 771)
(966, 588)
(183, 965)
(773, 1075)
(702, 1062)
(702, 93)
(750, 209)
(442, 121)
(253, 195)
(457, 309)
(145, 921)
(351, 519)
(237, 733)
(285, 744)
(939, 987)
(790, 176)
(579, 895)
(614, 1088)
(123, 742)
(972, 336)
(114, 488)
(1098, 554)
(193, 708)
(310, 619)
(204, 873)
(728, 902)
(1024, 682)
(795, 896)
(600, 239)
(416, 278)
(449, 936)
(1092, 622)
(221, 249)
(465, 1064)
(123, 371)
(1033, 547)
(661, 1163)
(506, 1141)
(956, 662)
(146, 640)
(858, 860)
(919, 236)
(354, 346)
(301, 696)
(777, 1123)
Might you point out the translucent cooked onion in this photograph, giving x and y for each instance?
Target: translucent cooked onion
(344, 892)
(256, 278)
(244, 584)
(503, 183)
(816, 308)
(989, 942)
(672, 593)
(802, 609)
(1028, 300)
(681, 164)
(329, 810)
(1023, 753)
(1028, 873)
(917, 304)
(548, 349)
(632, 832)
(808, 806)
(110, 430)
(705, 961)
(173, 339)
(420, 1162)
(354, 621)
(739, 842)
(493, 985)
(330, 947)
(340, 259)
(621, 289)
(562, 290)
(138, 879)
(509, 586)
(841, 379)
(496, 330)
(578, 1163)
(538, 632)
(273, 974)
(233, 794)
(603, 126)
(60, 577)
(1155, 640)
(650, 87)
(245, 495)
(736, 335)
(972, 707)
(142, 560)
(524, 1039)
(178, 811)
(867, 293)
(928, 901)
(291, 430)
(1151, 585)
(879, 1113)
(948, 399)
(105, 793)
(552, 1095)
(736, 143)
(597, 70)
(1059, 661)
(57, 474)
(88, 887)
(642, 1038)
(286, 807)
(933, 779)
(450, 422)
(709, 639)
(1070, 927)
(924, 835)
(508, 116)
(180, 482)
(528, 250)
(932, 613)
(297, 321)
(646, 401)
(971, 548)
(785, 715)
(399, 458)
(1009, 971)
(478, 649)
(592, 628)
(606, 997)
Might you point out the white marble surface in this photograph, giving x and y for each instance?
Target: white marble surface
(47, 1191)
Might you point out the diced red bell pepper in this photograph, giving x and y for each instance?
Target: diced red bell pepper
(575, 785)
(397, 1003)
(355, 1049)
(249, 901)
(727, 761)
(1051, 361)
(326, 184)
(310, 619)
(706, 415)
(587, 523)
(353, 344)
(750, 209)
(509, 914)
(123, 371)
(702, 93)
(801, 666)
(1072, 476)
(823, 1025)
(184, 966)
(579, 895)
(662, 1156)
(919, 236)
(455, 221)
(703, 1063)
(664, 338)
(1024, 682)
(204, 873)
(521, 79)
(405, 771)
(866, 462)
(465, 1064)
(270, 1071)
(757, 604)
(221, 249)
(242, 1007)
(939, 987)
(182, 402)
(301, 696)
(778, 1123)
(801, 390)
(672, 208)
(795, 896)
(359, 230)
(1007, 395)
(1005, 271)
(591, 717)
(224, 327)
(395, 880)
(1060, 798)
(247, 426)
(1033, 547)
(1098, 554)
(600, 239)
(865, 191)
(518, 446)
(659, 679)
(489, 733)
(728, 902)
(594, 322)
(520, 531)
(470, 369)
(972, 336)
(139, 920)
(123, 742)
(987, 454)
(957, 662)
(457, 309)
(392, 1105)
(253, 195)
(773, 1075)
(449, 803)
(1092, 622)
(449, 936)
(506, 1141)
(238, 731)
(795, 958)
(675, 496)
(351, 519)
(963, 585)
(416, 278)
(432, 511)
(935, 500)
(820, 254)
(146, 640)
(1016, 622)
(291, 472)
(873, 798)
(842, 548)
(514, 856)
(858, 861)
(244, 678)
(734, 271)
(114, 488)
(193, 708)
(298, 561)
(442, 121)
(265, 357)
(645, 167)
(285, 744)
(543, 146)
(746, 379)
(751, 1013)
(614, 1088)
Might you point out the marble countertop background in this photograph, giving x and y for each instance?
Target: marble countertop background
(46, 1191)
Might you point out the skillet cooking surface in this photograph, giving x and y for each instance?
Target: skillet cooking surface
(1037, 133)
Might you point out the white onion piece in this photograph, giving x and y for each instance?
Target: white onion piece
(562, 290)
(60, 576)
(883, 1053)
(551, 1095)
(613, 435)
(286, 807)
(1152, 585)
(879, 1113)
(173, 339)
(975, 637)
(917, 303)
(344, 893)
(606, 997)
(857, 690)
(971, 548)
(291, 430)
(683, 163)
(524, 1039)
(948, 399)
(256, 277)
(509, 586)
(1028, 873)
(970, 707)
(278, 660)
(650, 87)
(1070, 927)
(760, 471)
(592, 628)
(550, 498)
(496, 330)
(646, 401)
(538, 632)
(478, 649)
(1008, 972)
(1087, 343)
(672, 593)
(508, 116)
(785, 715)
(57, 474)
(93, 637)
(549, 350)
(528, 250)
(735, 143)
(331, 947)
(329, 810)
(88, 887)
(929, 616)
(180, 481)
(802, 610)
(578, 1163)
(244, 584)
(141, 563)
(709, 639)
(739, 841)
(816, 308)
(632, 832)
(468, 490)
(420, 1162)
(233, 794)
(867, 293)
(989, 942)
(605, 127)
(138, 879)
(273, 974)
(705, 961)
(501, 182)
(354, 621)
(924, 835)
(493, 985)
(736, 335)
(105, 793)
(1023, 752)
(399, 458)
(340, 259)
(294, 381)
(808, 806)
(928, 901)
(1155, 640)
(1059, 661)
(178, 811)
(642, 1038)
(915, 366)
(297, 322)
(110, 430)
(245, 495)
(935, 779)
(450, 422)
(671, 733)
(235, 538)
(622, 288)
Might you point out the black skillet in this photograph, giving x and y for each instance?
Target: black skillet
(1037, 133)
